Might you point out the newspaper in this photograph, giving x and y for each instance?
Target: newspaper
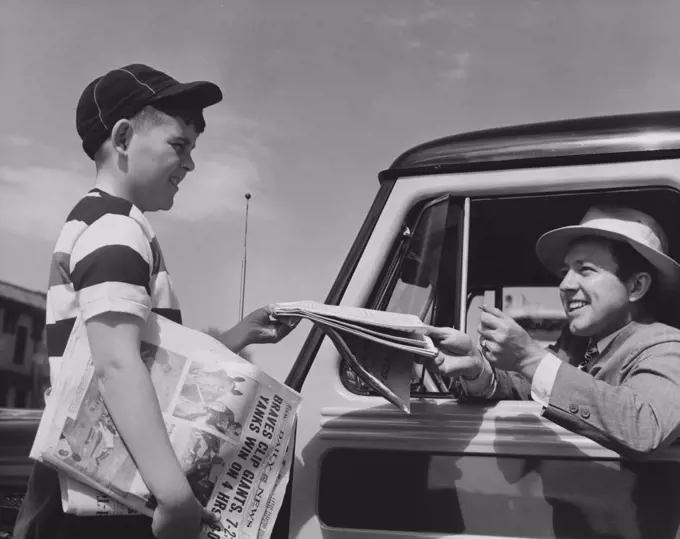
(230, 425)
(349, 328)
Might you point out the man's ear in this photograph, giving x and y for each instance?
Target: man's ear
(639, 286)
(121, 136)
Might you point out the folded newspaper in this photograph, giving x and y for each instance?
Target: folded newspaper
(230, 424)
(347, 327)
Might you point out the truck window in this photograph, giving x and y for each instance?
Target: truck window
(413, 291)
(503, 268)
(421, 277)
(429, 272)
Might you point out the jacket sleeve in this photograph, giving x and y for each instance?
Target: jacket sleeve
(509, 386)
(513, 386)
(634, 418)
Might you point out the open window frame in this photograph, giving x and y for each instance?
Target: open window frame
(474, 250)
(428, 263)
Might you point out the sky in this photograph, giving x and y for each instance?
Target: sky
(320, 96)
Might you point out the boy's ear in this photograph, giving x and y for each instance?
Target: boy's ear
(121, 135)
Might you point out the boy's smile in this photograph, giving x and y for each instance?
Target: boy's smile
(159, 158)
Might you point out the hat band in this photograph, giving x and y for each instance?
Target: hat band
(638, 232)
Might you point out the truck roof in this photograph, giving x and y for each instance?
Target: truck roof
(622, 134)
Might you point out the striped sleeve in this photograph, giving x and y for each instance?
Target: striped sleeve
(110, 268)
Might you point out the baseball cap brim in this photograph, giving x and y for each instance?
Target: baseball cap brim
(552, 247)
(199, 94)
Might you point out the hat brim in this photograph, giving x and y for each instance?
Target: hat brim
(199, 94)
(552, 247)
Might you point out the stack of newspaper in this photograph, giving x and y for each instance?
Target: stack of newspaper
(350, 327)
(229, 423)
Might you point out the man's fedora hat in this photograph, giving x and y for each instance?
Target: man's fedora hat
(627, 225)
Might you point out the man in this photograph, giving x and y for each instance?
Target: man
(614, 375)
(139, 126)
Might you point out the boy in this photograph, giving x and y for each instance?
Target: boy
(139, 126)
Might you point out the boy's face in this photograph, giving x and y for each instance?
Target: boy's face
(159, 156)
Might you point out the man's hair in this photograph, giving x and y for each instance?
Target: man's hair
(156, 115)
(629, 261)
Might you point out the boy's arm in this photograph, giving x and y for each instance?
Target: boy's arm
(235, 338)
(129, 395)
(110, 269)
(258, 327)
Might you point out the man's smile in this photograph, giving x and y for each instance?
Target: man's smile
(575, 305)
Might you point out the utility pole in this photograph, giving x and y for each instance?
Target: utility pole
(244, 263)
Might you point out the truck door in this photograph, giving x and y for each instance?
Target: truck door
(441, 244)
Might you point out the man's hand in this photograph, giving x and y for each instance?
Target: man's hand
(457, 356)
(506, 345)
(259, 327)
(180, 518)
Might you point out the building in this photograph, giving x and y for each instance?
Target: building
(24, 367)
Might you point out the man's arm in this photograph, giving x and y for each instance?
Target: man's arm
(511, 386)
(634, 418)
(125, 385)
(458, 357)
(495, 385)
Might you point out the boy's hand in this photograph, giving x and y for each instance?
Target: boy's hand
(180, 519)
(258, 327)
(263, 328)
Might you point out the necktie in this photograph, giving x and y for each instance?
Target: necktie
(590, 354)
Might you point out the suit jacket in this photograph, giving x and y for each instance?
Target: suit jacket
(629, 398)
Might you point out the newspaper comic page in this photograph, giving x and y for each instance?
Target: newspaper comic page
(229, 423)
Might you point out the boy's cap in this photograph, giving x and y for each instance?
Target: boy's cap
(123, 92)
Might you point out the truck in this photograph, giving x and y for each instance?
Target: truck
(454, 222)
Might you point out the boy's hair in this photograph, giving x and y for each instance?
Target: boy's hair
(151, 116)
(156, 115)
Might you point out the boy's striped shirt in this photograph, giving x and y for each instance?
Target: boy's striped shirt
(107, 259)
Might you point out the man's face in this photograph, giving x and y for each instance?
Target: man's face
(158, 159)
(595, 300)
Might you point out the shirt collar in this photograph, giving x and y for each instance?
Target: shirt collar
(606, 341)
